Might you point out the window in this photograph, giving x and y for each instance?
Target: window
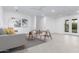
(74, 25)
(66, 25)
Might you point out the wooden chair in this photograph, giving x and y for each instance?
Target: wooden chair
(46, 34)
(30, 36)
(38, 33)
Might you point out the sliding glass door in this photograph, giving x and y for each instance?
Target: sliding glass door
(74, 25)
(66, 25)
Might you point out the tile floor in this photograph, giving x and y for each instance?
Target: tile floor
(59, 44)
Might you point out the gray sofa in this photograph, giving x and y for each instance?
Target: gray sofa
(11, 41)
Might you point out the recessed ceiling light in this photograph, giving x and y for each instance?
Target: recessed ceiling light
(53, 11)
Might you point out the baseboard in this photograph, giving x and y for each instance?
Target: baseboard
(67, 34)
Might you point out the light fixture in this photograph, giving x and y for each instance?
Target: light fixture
(53, 10)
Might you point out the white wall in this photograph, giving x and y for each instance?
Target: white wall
(50, 24)
(45, 23)
(59, 23)
(1, 17)
(39, 21)
(8, 22)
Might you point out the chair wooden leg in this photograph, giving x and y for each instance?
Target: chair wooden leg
(50, 35)
(45, 38)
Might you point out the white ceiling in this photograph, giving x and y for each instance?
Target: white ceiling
(60, 11)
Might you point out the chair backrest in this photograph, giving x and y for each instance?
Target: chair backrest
(30, 33)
